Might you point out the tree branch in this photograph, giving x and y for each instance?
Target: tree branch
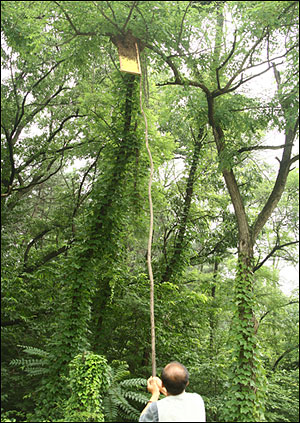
(32, 242)
(240, 69)
(174, 263)
(294, 159)
(77, 32)
(82, 182)
(11, 160)
(36, 180)
(19, 118)
(181, 25)
(48, 257)
(107, 18)
(283, 355)
(178, 78)
(262, 147)
(284, 169)
(53, 152)
(276, 248)
(226, 60)
(134, 4)
(280, 182)
(271, 311)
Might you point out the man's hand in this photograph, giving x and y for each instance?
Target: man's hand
(161, 388)
(152, 386)
(159, 384)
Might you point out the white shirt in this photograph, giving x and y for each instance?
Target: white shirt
(185, 407)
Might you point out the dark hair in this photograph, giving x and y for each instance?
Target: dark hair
(175, 377)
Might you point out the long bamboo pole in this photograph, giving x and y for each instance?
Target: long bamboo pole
(149, 263)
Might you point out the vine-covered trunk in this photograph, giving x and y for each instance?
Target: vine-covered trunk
(175, 263)
(87, 290)
(245, 401)
(107, 229)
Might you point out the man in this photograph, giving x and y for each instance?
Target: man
(178, 405)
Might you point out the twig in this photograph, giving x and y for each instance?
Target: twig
(134, 4)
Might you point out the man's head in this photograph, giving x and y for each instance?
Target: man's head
(175, 378)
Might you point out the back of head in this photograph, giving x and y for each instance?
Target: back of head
(175, 378)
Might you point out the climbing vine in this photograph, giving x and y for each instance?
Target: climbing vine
(88, 381)
(246, 399)
(88, 285)
(74, 242)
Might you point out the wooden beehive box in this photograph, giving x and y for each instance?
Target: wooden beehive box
(129, 54)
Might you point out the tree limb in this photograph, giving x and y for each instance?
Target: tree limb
(276, 248)
(36, 180)
(294, 159)
(226, 60)
(33, 241)
(76, 31)
(82, 182)
(295, 347)
(48, 257)
(20, 117)
(240, 69)
(261, 147)
(279, 185)
(181, 25)
(281, 306)
(107, 18)
(134, 4)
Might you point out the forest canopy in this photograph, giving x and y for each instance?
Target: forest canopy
(219, 89)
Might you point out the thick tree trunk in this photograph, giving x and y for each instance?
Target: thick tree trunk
(103, 224)
(244, 320)
(174, 263)
(245, 326)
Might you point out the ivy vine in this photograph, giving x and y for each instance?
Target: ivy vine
(245, 401)
(88, 381)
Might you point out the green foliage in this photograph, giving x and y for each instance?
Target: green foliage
(123, 394)
(88, 382)
(245, 399)
(33, 367)
(211, 379)
(282, 402)
(11, 416)
(74, 275)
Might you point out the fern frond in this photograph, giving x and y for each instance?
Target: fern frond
(137, 396)
(116, 403)
(127, 408)
(35, 372)
(32, 366)
(119, 370)
(110, 408)
(34, 351)
(27, 363)
(125, 417)
(17, 362)
(134, 383)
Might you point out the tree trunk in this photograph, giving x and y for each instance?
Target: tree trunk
(104, 224)
(174, 263)
(244, 388)
(212, 317)
(245, 324)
